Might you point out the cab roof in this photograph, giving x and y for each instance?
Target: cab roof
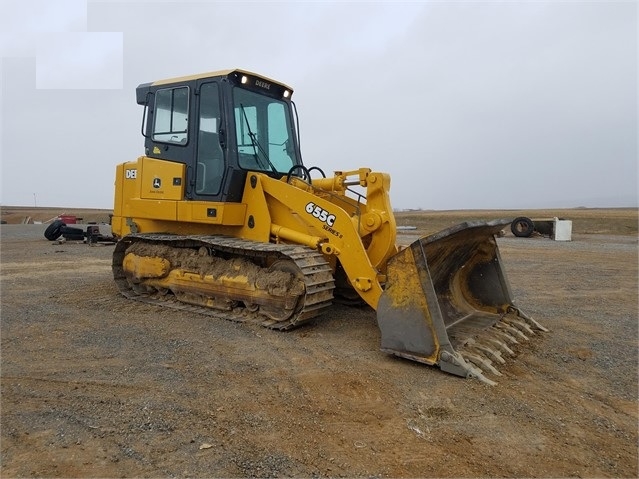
(218, 73)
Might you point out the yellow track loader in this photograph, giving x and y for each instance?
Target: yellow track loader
(221, 217)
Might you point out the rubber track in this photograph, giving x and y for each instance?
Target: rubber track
(318, 276)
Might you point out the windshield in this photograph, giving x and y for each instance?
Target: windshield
(263, 131)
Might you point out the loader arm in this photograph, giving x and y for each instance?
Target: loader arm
(359, 234)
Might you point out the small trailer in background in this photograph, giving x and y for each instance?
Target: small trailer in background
(557, 229)
(91, 234)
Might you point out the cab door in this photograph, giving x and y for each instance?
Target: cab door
(210, 156)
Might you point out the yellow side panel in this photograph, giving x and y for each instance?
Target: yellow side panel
(228, 214)
(156, 210)
(161, 180)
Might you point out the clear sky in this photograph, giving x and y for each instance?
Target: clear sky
(500, 104)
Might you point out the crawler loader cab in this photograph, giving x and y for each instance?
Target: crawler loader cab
(219, 216)
(220, 126)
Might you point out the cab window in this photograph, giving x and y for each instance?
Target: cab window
(263, 132)
(171, 115)
(279, 141)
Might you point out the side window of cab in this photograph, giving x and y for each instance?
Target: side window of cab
(171, 115)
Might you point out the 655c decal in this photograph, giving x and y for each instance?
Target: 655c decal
(320, 213)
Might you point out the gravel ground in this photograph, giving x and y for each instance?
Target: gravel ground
(94, 385)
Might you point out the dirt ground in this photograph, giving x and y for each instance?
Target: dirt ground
(95, 385)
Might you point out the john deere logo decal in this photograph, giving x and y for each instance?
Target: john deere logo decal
(157, 182)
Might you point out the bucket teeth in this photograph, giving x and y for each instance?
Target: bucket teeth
(500, 333)
(491, 345)
(490, 352)
(470, 371)
(520, 325)
(482, 363)
(533, 323)
(530, 321)
(499, 345)
(476, 373)
(511, 330)
(478, 346)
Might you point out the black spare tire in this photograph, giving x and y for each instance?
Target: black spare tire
(54, 230)
(522, 227)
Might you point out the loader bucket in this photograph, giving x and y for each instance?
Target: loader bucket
(447, 302)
